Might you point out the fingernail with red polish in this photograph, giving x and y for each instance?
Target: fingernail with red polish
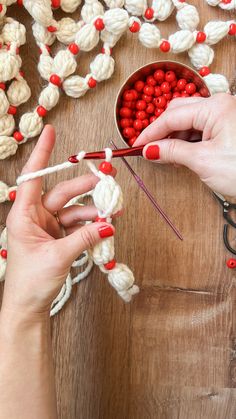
(152, 152)
(105, 231)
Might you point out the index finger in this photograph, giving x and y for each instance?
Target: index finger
(30, 192)
(180, 118)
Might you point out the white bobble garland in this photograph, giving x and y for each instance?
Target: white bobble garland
(8, 147)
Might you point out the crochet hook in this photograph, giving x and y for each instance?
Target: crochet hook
(148, 194)
(121, 152)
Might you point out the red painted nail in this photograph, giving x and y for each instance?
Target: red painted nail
(152, 152)
(105, 231)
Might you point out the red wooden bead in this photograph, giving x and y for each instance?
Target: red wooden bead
(165, 87)
(175, 95)
(74, 49)
(190, 88)
(145, 123)
(92, 83)
(135, 94)
(158, 112)
(126, 122)
(159, 76)
(232, 29)
(2, 86)
(55, 79)
(147, 98)
(139, 85)
(151, 81)
(149, 13)
(165, 46)
(1, 8)
(201, 37)
(141, 115)
(20, 3)
(181, 84)
(168, 96)
(126, 104)
(150, 108)
(184, 94)
(125, 112)
(3, 253)
(226, 1)
(103, 50)
(51, 28)
(21, 73)
(141, 105)
(12, 110)
(197, 94)
(12, 195)
(132, 140)
(152, 119)
(173, 84)
(18, 136)
(137, 124)
(55, 3)
(231, 263)
(129, 132)
(148, 90)
(128, 95)
(204, 71)
(160, 102)
(134, 27)
(100, 219)
(157, 91)
(170, 76)
(99, 24)
(41, 111)
(106, 167)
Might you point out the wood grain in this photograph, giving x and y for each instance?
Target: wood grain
(172, 352)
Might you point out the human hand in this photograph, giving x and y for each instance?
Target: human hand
(214, 158)
(39, 257)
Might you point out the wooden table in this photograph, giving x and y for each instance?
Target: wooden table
(171, 353)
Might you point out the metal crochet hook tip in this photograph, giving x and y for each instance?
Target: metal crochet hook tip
(149, 195)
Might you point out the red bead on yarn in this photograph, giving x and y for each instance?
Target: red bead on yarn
(51, 28)
(134, 27)
(41, 111)
(1, 8)
(3, 253)
(55, 79)
(99, 24)
(20, 3)
(18, 136)
(55, 4)
(12, 195)
(106, 167)
(231, 263)
(110, 265)
(232, 29)
(92, 83)
(149, 13)
(12, 110)
(73, 48)
(204, 71)
(165, 46)
(226, 1)
(201, 37)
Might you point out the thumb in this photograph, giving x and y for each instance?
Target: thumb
(84, 238)
(173, 151)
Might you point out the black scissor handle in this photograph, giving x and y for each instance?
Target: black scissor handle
(227, 215)
(226, 239)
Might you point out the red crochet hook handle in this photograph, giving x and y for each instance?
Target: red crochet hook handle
(121, 152)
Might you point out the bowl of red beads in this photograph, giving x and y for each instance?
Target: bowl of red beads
(147, 92)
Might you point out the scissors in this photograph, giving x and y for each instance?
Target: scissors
(228, 209)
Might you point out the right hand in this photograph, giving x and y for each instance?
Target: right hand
(214, 158)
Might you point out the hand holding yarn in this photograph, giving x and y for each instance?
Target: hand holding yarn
(214, 158)
(39, 257)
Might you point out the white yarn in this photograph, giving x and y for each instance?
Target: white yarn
(4, 104)
(7, 125)
(18, 92)
(201, 55)
(8, 147)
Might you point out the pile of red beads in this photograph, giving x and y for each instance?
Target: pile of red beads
(148, 98)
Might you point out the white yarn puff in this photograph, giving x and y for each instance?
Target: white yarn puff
(112, 4)
(215, 31)
(90, 10)
(64, 63)
(136, 7)
(31, 124)
(188, 17)
(13, 31)
(102, 67)
(49, 97)
(75, 86)
(181, 41)
(116, 21)
(109, 38)
(45, 65)
(162, 9)
(149, 35)
(42, 35)
(8, 147)
(87, 37)
(40, 10)
(9, 65)
(4, 191)
(18, 92)
(69, 6)
(67, 29)
(3, 262)
(107, 196)
(201, 55)
(217, 83)
(103, 252)
(4, 104)
(7, 124)
(122, 279)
